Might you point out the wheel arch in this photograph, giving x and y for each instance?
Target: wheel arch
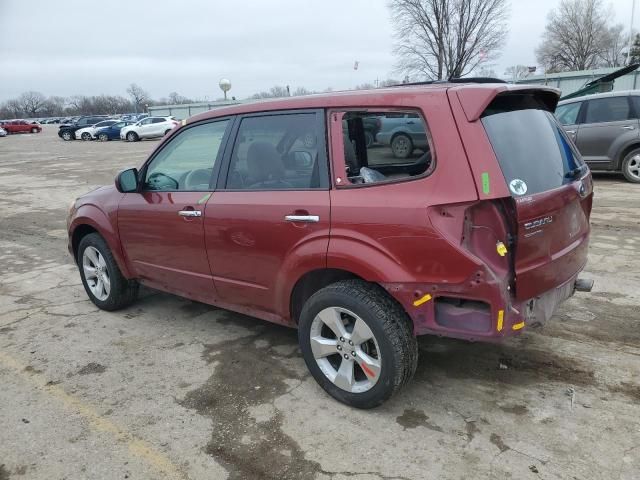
(312, 281)
(89, 220)
(624, 151)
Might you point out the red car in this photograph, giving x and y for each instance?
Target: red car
(280, 210)
(21, 126)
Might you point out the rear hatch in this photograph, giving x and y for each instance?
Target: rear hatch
(550, 188)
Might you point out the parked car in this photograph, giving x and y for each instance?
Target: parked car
(111, 132)
(3, 132)
(150, 127)
(89, 133)
(606, 130)
(21, 126)
(252, 208)
(67, 131)
(403, 133)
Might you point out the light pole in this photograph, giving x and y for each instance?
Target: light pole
(633, 11)
(225, 86)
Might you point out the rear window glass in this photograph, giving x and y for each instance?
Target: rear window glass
(610, 109)
(532, 149)
(385, 146)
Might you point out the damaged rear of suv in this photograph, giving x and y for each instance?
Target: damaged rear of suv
(472, 221)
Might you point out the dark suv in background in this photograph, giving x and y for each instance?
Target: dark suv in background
(67, 132)
(606, 130)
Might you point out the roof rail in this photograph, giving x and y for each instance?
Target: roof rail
(453, 80)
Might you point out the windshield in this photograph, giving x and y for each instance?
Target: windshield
(532, 149)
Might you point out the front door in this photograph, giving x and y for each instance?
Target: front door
(607, 120)
(161, 227)
(269, 222)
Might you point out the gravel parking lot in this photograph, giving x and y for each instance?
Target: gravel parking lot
(170, 388)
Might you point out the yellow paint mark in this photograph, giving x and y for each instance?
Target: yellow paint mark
(500, 319)
(184, 122)
(517, 326)
(422, 300)
(501, 249)
(204, 199)
(137, 447)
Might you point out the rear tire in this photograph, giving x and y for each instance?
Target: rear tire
(132, 137)
(98, 268)
(368, 139)
(631, 166)
(377, 367)
(86, 136)
(67, 136)
(402, 146)
(103, 137)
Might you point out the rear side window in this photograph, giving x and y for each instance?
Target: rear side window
(385, 146)
(530, 145)
(568, 114)
(611, 109)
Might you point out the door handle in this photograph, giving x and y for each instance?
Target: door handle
(302, 218)
(571, 132)
(190, 213)
(628, 127)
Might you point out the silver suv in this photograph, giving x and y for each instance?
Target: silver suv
(606, 130)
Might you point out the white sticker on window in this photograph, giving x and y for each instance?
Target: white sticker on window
(517, 186)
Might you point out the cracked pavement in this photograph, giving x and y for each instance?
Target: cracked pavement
(169, 388)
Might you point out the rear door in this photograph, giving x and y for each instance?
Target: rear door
(550, 189)
(605, 121)
(268, 221)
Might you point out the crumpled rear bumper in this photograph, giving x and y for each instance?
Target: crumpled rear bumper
(490, 316)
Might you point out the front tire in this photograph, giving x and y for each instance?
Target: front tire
(402, 146)
(105, 285)
(132, 137)
(631, 166)
(34, 130)
(357, 342)
(86, 136)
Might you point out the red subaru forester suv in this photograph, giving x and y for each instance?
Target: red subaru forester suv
(466, 215)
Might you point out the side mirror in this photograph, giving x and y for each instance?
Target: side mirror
(127, 181)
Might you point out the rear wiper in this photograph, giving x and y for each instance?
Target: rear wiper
(575, 172)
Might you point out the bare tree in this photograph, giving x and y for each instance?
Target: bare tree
(616, 43)
(138, 95)
(365, 86)
(575, 37)
(635, 50)
(274, 92)
(517, 72)
(300, 91)
(487, 71)
(441, 39)
(32, 102)
(176, 99)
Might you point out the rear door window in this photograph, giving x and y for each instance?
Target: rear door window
(278, 152)
(531, 147)
(610, 109)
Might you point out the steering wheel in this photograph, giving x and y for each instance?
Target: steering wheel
(161, 181)
(271, 184)
(196, 179)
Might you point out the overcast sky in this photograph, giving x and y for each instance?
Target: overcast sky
(91, 47)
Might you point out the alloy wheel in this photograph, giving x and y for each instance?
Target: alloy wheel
(633, 167)
(345, 349)
(96, 273)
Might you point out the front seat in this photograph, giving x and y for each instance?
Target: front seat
(265, 167)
